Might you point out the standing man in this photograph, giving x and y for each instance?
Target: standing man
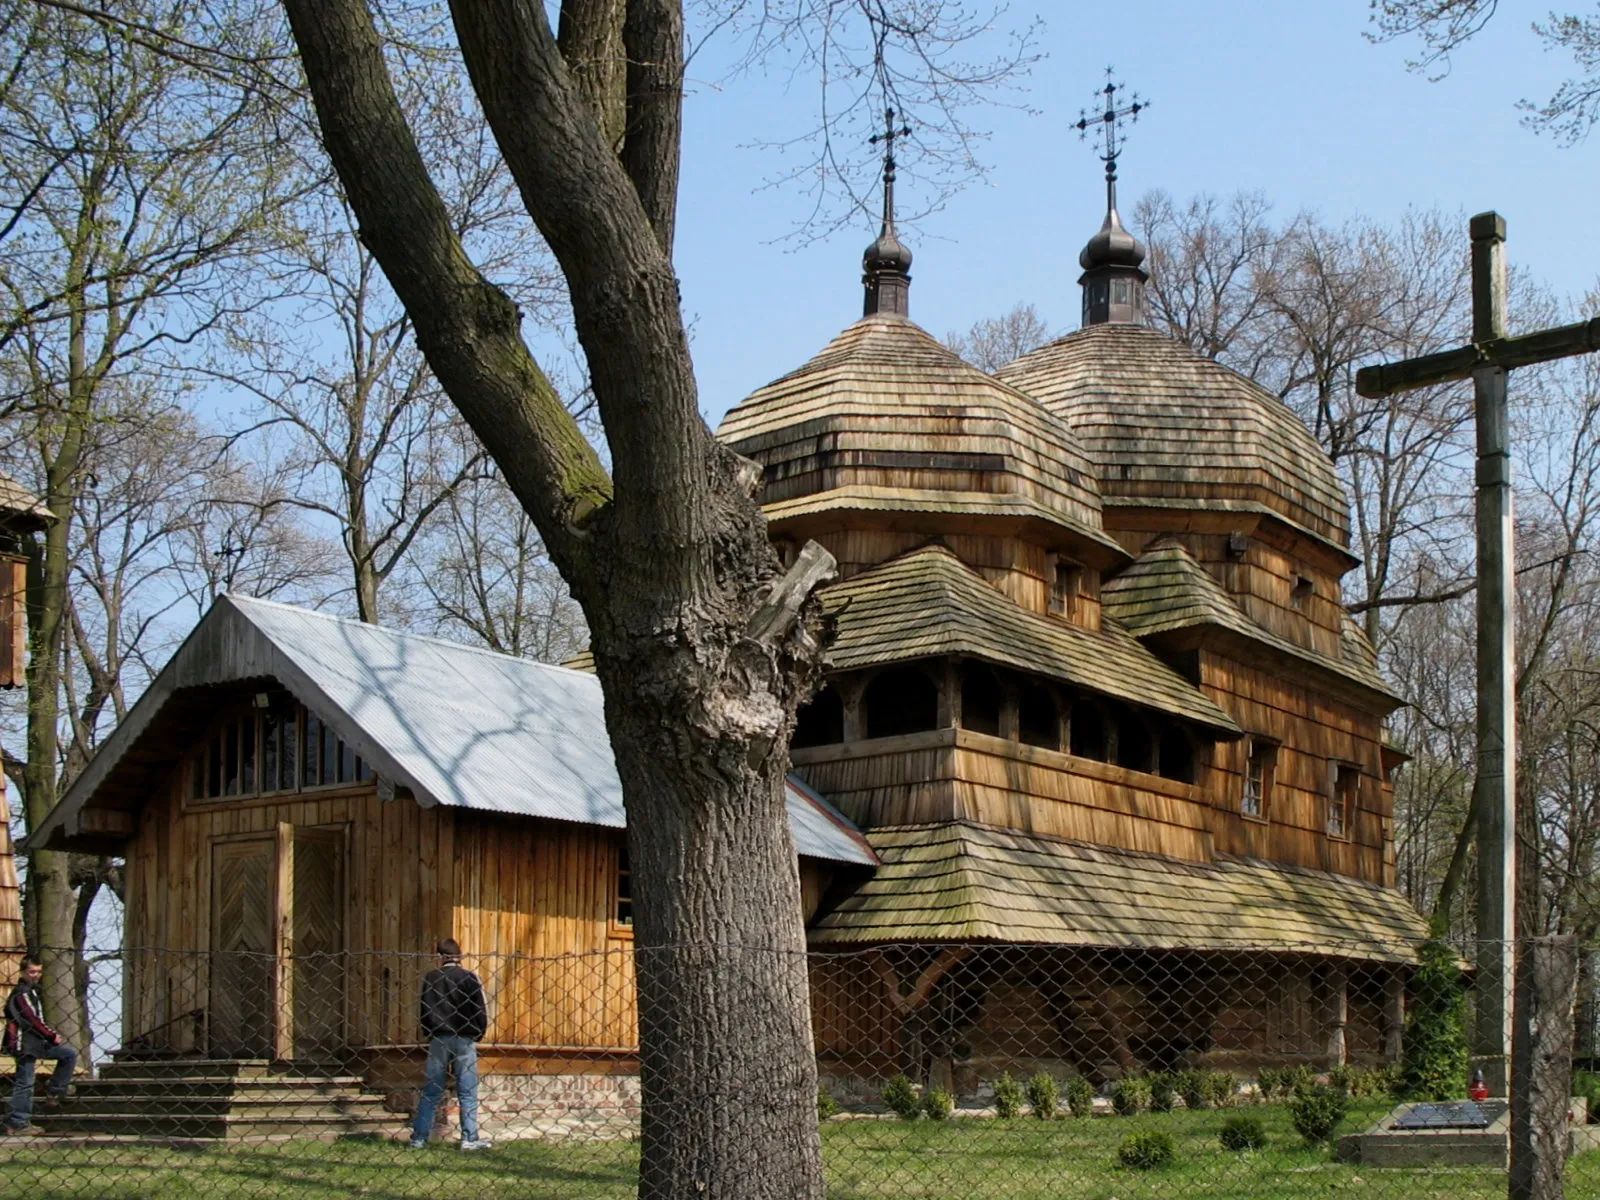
(28, 1039)
(454, 1017)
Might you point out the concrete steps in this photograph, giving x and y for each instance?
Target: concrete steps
(218, 1099)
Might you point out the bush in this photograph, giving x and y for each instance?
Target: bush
(1433, 1061)
(938, 1104)
(1130, 1095)
(1297, 1081)
(1192, 1087)
(1242, 1133)
(1009, 1097)
(1220, 1089)
(1316, 1113)
(901, 1097)
(1080, 1097)
(827, 1106)
(1144, 1151)
(1044, 1096)
(1163, 1091)
(1272, 1082)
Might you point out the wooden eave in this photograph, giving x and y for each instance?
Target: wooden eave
(961, 882)
(927, 604)
(1002, 514)
(1178, 515)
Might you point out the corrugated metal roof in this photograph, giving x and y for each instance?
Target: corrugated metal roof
(458, 725)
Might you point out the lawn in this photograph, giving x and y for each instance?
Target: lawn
(1024, 1159)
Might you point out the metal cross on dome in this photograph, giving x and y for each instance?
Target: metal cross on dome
(1108, 122)
(887, 137)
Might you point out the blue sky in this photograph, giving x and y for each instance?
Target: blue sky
(1284, 96)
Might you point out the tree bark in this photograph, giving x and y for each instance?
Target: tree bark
(1542, 1067)
(672, 566)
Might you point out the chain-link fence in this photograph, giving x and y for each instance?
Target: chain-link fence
(943, 1072)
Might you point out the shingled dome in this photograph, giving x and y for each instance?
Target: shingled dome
(886, 416)
(1169, 426)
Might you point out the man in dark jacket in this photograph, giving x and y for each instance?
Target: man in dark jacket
(28, 1039)
(454, 1017)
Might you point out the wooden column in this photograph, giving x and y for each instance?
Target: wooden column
(1547, 970)
(1494, 795)
(1337, 982)
(1394, 1016)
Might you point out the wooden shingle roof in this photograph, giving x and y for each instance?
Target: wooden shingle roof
(1165, 423)
(885, 405)
(20, 508)
(928, 603)
(1166, 590)
(961, 882)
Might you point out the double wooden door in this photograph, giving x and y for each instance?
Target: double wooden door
(278, 940)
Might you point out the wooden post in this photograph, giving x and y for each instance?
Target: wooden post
(1394, 1015)
(1541, 1090)
(1494, 796)
(1336, 980)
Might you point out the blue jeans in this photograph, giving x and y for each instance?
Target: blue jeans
(66, 1059)
(462, 1052)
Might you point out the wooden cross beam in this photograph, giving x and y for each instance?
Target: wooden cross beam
(1487, 361)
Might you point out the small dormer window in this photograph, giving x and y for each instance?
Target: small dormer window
(1066, 582)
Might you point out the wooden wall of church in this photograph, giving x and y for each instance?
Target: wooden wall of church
(1314, 733)
(519, 895)
(12, 938)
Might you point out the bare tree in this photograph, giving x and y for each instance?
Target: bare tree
(994, 341)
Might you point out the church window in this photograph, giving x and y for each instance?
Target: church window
(1303, 591)
(981, 700)
(1346, 779)
(1038, 719)
(904, 700)
(1065, 583)
(821, 722)
(1261, 765)
(1088, 731)
(1135, 746)
(1175, 754)
(275, 746)
(622, 907)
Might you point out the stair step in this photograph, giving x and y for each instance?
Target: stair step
(139, 1125)
(201, 1089)
(160, 1106)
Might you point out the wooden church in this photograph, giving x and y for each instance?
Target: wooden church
(1098, 780)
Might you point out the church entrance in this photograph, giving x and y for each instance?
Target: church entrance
(277, 941)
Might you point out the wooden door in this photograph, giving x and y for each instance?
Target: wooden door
(242, 951)
(315, 920)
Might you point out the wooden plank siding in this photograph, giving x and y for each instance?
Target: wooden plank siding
(531, 902)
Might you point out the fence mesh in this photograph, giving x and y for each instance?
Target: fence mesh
(942, 1072)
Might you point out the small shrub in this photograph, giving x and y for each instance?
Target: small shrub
(1433, 1060)
(1080, 1097)
(1220, 1089)
(1297, 1081)
(827, 1106)
(1163, 1092)
(1009, 1097)
(901, 1097)
(1317, 1113)
(1587, 1085)
(1192, 1087)
(1130, 1096)
(938, 1104)
(1145, 1151)
(1271, 1082)
(1343, 1079)
(1242, 1133)
(1044, 1096)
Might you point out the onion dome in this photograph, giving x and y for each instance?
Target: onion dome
(886, 264)
(1170, 428)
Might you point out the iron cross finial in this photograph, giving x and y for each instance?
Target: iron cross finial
(1108, 122)
(887, 137)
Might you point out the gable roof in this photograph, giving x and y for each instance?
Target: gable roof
(457, 725)
(928, 603)
(1166, 590)
(963, 881)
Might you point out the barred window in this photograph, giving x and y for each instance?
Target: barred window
(274, 746)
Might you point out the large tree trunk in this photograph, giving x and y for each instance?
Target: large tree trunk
(703, 652)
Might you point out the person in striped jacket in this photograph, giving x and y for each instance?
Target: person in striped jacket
(28, 1039)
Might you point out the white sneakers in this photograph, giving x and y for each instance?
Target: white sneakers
(476, 1144)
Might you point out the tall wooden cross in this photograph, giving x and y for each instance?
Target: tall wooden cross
(1486, 361)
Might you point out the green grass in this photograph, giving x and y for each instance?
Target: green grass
(1022, 1159)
